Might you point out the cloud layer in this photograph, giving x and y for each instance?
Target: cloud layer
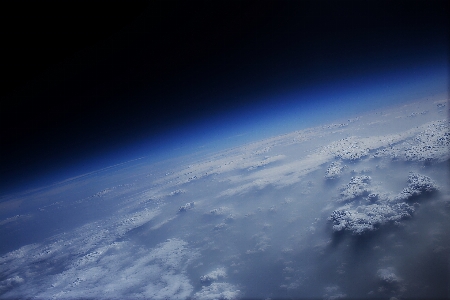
(219, 226)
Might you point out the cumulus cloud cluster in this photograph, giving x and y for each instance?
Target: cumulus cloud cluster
(213, 288)
(387, 276)
(357, 187)
(186, 207)
(10, 283)
(373, 211)
(218, 291)
(351, 149)
(430, 144)
(417, 185)
(366, 218)
(214, 275)
(334, 170)
(390, 283)
(261, 241)
(334, 293)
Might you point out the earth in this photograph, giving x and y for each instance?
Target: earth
(358, 208)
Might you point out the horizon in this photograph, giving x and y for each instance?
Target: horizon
(158, 81)
(208, 146)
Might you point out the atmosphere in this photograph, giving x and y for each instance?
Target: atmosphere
(81, 95)
(284, 111)
(225, 150)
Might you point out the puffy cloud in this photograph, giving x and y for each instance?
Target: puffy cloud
(334, 170)
(375, 210)
(176, 192)
(431, 143)
(417, 185)
(218, 291)
(220, 226)
(218, 273)
(10, 283)
(390, 283)
(366, 218)
(333, 293)
(220, 211)
(186, 207)
(373, 197)
(262, 243)
(357, 187)
(350, 148)
(387, 276)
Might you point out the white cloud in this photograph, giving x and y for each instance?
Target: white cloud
(214, 275)
(417, 185)
(10, 283)
(373, 211)
(350, 148)
(218, 291)
(334, 170)
(261, 241)
(387, 276)
(90, 263)
(357, 187)
(121, 270)
(16, 218)
(220, 211)
(333, 293)
(365, 218)
(98, 260)
(186, 207)
(430, 142)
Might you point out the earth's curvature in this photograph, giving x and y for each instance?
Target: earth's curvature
(355, 209)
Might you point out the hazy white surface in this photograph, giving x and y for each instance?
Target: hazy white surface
(358, 208)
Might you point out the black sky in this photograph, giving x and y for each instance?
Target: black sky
(83, 78)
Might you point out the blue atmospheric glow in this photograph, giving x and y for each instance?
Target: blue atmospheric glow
(299, 109)
(273, 114)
